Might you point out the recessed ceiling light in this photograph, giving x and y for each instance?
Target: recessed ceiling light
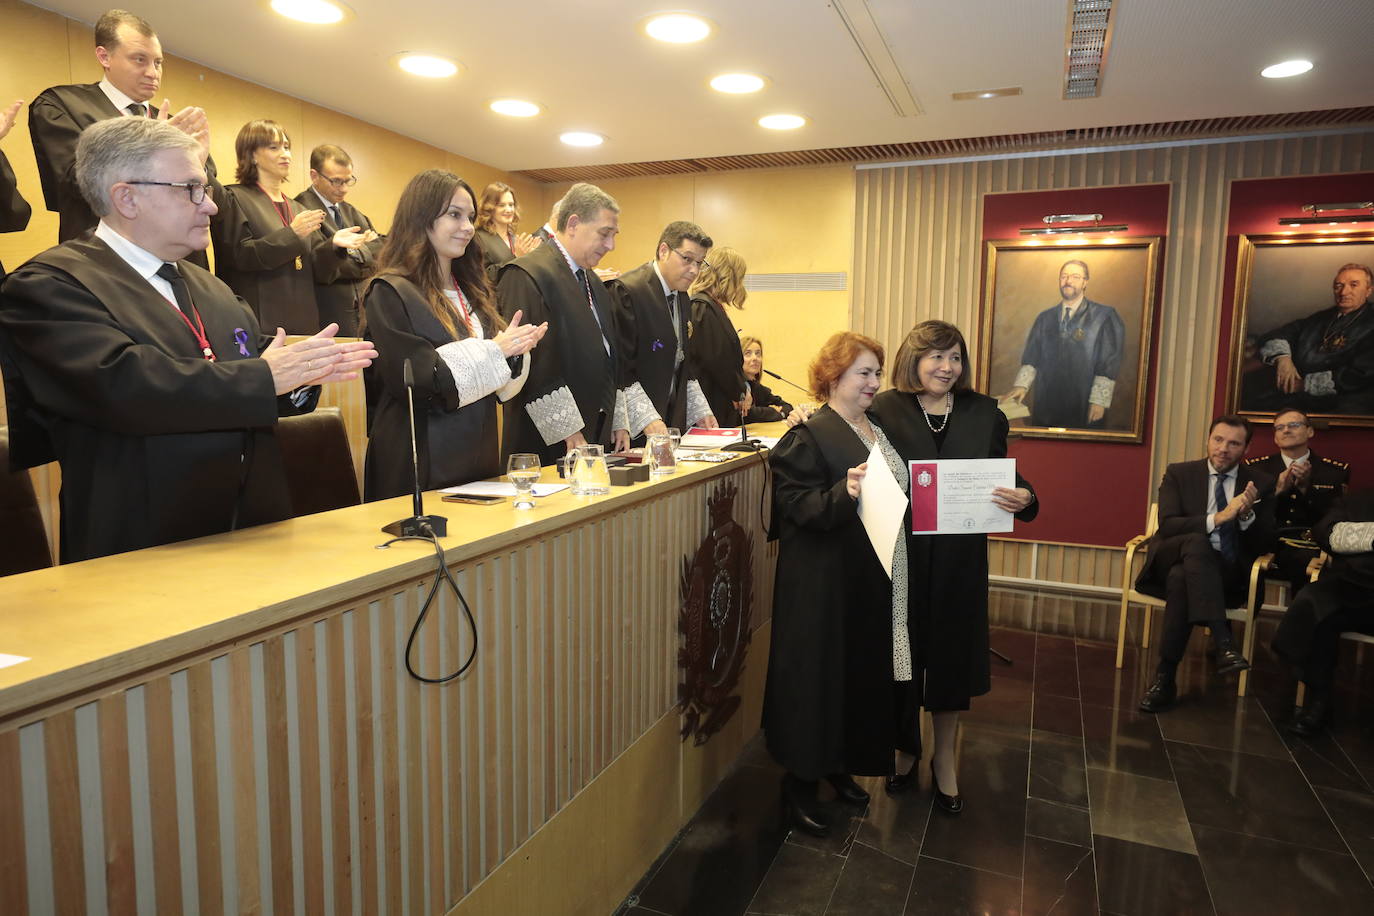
(737, 83)
(427, 65)
(315, 12)
(1287, 68)
(582, 138)
(678, 28)
(975, 94)
(516, 108)
(782, 121)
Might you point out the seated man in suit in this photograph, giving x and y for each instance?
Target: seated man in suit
(652, 310)
(152, 379)
(1341, 600)
(1212, 526)
(340, 280)
(1306, 489)
(572, 396)
(131, 56)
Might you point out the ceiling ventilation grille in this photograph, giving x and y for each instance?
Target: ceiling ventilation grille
(1085, 47)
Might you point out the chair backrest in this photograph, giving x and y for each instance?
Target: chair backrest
(1152, 523)
(319, 463)
(23, 539)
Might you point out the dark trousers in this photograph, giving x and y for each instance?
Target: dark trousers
(1195, 592)
(1309, 634)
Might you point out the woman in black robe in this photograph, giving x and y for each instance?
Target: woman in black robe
(498, 216)
(430, 303)
(764, 405)
(931, 413)
(713, 351)
(840, 696)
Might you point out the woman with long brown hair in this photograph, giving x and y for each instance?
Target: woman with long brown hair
(713, 350)
(430, 303)
(498, 216)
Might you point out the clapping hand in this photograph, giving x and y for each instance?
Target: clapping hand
(7, 116)
(316, 360)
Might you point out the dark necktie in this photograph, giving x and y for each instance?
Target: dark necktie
(1226, 533)
(137, 109)
(180, 291)
(1064, 320)
(334, 212)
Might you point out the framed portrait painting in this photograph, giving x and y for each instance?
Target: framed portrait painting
(1066, 335)
(1303, 334)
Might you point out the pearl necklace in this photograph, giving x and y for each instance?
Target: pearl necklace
(949, 409)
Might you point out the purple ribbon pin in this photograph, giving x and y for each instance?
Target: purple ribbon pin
(658, 345)
(241, 338)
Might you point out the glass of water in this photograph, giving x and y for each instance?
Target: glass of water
(523, 470)
(676, 435)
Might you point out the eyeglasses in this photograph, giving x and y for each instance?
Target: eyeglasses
(194, 189)
(689, 259)
(1290, 427)
(341, 183)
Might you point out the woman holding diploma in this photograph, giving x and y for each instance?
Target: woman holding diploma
(840, 695)
(933, 413)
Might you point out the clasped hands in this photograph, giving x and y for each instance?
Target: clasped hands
(1298, 475)
(316, 360)
(1240, 505)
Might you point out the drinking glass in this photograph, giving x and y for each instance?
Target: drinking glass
(676, 435)
(523, 470)
(593, 477)
(658, 452)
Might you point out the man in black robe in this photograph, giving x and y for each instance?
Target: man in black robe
(1340, 601)
(572, 396)
(1072, 357)
(131, 56)
(653, 312)
(346, 234)
(1323, 363)
(153, 381)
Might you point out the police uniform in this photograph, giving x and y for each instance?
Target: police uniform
(1296, 511)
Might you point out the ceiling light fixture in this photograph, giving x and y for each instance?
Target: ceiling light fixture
(1086, 47)
(582, 138)
(314, 12)
(975, 94)
(1056, 224)
(677, 28)
(515, 108)
(738, 83)
(1286, 69)
(782, 121)
(1319, 217)
(426, 65)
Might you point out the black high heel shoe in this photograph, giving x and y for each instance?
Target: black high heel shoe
(897, 783)
(798, 806)
(950, 804)
(846, 789)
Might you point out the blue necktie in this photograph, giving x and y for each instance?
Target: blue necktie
(1230, 551)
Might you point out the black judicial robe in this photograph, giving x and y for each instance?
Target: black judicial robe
(571, 355)
(948, 573)
(830, 704)
(454, 444)
(768, 407)
(340, 275)
(648, 344)
(56, 119)
(14, 209)
(717, 361)
(156, 443)
(256, 256)
(495, 251)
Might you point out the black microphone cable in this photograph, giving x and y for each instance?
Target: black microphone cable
(441, 574)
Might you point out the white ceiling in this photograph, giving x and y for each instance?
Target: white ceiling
(588, 63)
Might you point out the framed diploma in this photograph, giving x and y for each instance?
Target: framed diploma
(954, 496)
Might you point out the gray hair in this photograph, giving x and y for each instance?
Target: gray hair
(585, 201)
(118, 150)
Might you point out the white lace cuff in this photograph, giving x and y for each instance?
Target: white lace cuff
(639, 408)
(555, 415)
(621, 414)
(1352, 537)
(1275, 348)
(1319, 383)
(697, 406)
(1101, 393)
(1025, 377)
(478, 367)
(513, 387)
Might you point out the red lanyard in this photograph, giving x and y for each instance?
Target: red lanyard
(462, 302)
(198, 329)
(283, 211)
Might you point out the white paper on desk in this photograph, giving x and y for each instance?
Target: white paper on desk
(954, 496)
(881, 505)
(7, 660)
(500, 488)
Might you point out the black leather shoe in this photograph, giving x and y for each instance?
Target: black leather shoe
(950, 804)
(799, 807)
(897, 783)
(1160, 696)
(1311, 722)
(846, 789)
(1229, 660)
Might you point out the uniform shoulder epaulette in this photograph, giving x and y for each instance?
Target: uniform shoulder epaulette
(1335, 463)
(1257, 459)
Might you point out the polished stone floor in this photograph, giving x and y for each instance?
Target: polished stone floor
(1075, 803)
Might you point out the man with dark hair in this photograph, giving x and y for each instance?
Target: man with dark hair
(153, 380)
(572, 396)
(1323, 363)
(1306, 488)
(131, 56)
(340, 280)
(1072, 357)
(1212, 526)
(652, 312)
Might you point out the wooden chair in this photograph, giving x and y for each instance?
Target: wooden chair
(318, 461)
(1130, 596)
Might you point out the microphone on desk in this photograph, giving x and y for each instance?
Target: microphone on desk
(419, 524)
(773, 374)
(745, 444)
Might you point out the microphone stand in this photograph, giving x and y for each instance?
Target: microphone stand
(772, 374)
(745, 444)
(419, 524)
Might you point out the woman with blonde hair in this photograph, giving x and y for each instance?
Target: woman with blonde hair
(713, 350)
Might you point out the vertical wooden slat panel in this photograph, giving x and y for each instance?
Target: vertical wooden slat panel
(340, 790)
(307, 705)
(244, 780)
(413, 840)
(388, 714)
(278, 774)
(432, 696)
(204, 783)
(157, 701)
(64, 813)
(121, 886)
(366, 764)
(13, 868)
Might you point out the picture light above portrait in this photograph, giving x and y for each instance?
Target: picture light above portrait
(1343, 215)
(1072, 224)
